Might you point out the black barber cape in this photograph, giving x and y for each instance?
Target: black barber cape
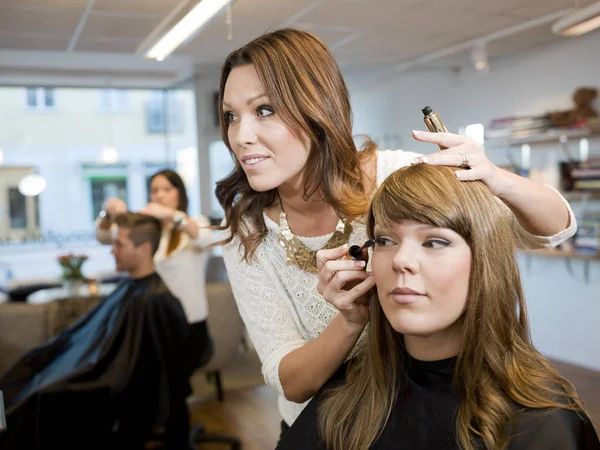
(423, 418)
(119, 368)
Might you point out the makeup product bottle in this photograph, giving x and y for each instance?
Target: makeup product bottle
(433, 122)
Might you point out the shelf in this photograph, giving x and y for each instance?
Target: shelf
(561, 254)
(581, 195)
(568, 256)
(549, 136)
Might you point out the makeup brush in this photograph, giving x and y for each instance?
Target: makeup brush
(358, 252)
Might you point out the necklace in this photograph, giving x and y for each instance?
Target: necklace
(299, 254)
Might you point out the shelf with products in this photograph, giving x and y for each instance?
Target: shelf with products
(567, 255)
(581, 195)
(557, 253)
(554, 148)
(551, 135)
(570, 164)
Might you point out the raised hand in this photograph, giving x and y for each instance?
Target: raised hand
(345, 284)
(159, 211)
(463, 151)
(115, 206)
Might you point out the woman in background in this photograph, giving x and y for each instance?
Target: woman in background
(183, 252)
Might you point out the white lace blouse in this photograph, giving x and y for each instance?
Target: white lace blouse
(279, 303)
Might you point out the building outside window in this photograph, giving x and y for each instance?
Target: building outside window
(17, 209)
(113, 101)
(40, 98)
(69, 150)
(19, 215)
(163, 113)
(104, 188)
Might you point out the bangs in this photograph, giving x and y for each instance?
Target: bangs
(425, 194)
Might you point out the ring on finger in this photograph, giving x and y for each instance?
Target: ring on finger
(465, 161)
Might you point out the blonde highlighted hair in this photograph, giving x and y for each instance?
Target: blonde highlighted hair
(497, 369)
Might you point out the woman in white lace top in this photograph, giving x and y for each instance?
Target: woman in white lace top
(300, 185)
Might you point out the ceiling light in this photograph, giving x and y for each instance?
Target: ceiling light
(110, 155)
(579, 22)
(32, 185)
(479, 56)
(476, 132)
(186, 28)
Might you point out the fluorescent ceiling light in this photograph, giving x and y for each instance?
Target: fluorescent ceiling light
(579, 22)
(187, 27)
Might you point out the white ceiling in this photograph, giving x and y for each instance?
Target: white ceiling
(94, 40)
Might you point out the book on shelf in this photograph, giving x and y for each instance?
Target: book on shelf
(581, 176)
(587, 237)
(585, 173)
(521, 121)
(587, 185)
(536, 128)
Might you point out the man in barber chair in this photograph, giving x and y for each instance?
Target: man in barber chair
(118, 373)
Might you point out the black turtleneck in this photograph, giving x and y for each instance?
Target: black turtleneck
(424, 418)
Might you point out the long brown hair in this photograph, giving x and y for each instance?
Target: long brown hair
(182, 203)
(497, 368)
(307, 90)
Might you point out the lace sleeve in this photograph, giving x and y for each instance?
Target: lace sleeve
(525, 239)
(205, 234)
(262, 303)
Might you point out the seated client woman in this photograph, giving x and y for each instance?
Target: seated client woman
(448, 362)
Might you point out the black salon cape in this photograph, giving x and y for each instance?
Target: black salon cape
(120, 367)
(423, 418)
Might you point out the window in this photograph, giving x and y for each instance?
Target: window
(36, 211)
(105, 188)
(155, 114)
(48, 98)
(475, 131)
(221, 165)
(164, 113)
(113, 100)
(31, 98)
(73, 153)
(17, 209)
(40, 99)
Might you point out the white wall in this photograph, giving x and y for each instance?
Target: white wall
(564, 311)
(533, 82)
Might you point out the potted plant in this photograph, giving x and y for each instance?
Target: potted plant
(72, 276)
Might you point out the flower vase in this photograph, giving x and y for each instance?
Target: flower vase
(72, 287)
